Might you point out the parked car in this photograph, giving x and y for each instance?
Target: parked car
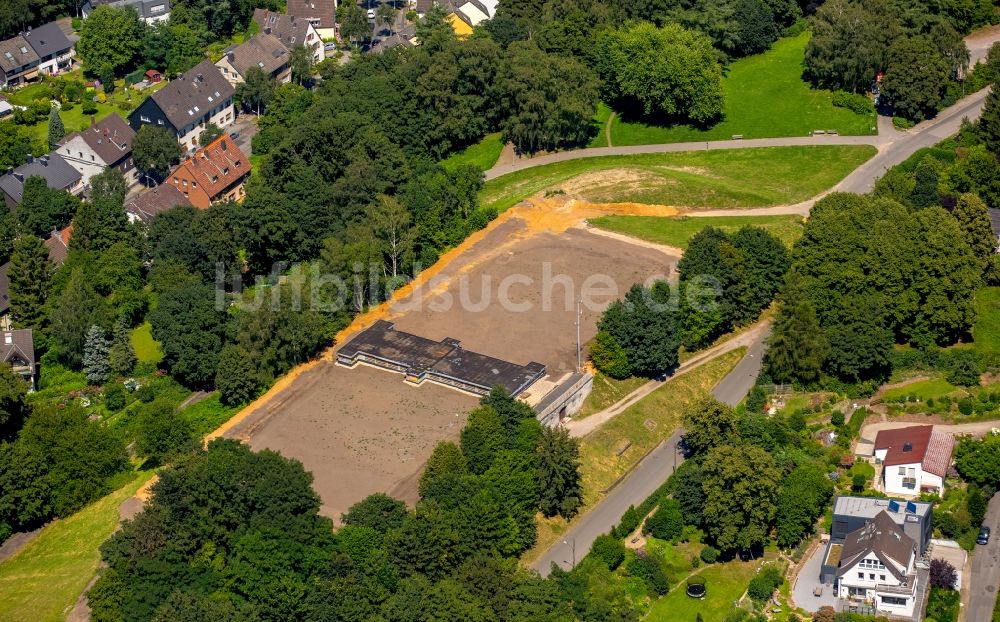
(371, 13)
(330, 46)
(984, 535)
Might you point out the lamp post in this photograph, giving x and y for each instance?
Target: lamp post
(676, 449)
(579, 361)
(572, 544)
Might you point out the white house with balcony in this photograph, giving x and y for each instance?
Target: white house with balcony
(877, 568)
(913, 460)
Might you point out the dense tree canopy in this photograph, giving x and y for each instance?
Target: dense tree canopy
(669, 72)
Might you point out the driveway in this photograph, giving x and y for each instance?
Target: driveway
(652, 470)
(985, 574)
(246, 127)
(808, 580)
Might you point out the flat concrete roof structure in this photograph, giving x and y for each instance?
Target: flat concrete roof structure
(444, 362)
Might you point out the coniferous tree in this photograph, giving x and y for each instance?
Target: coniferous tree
(56, 128)
(559, 488)
(30, 274)
(989, 121)
(236, 376)
(76, 309)
(925, 191)
(121, 355)
(974, 219)
(797, 346)
(96, 366)
(446, 459)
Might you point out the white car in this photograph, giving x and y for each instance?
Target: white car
(371, 13)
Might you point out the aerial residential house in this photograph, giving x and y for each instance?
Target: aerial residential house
(262, 51)
(150, 11)
(187, 104)
(913, 460)
(18, 350)
(877, 566)
(55, 51)
(58, 174)
(213, 174)
(145, 206)
(321, 15)
(291, 31)
(106, 144)
(18, 62)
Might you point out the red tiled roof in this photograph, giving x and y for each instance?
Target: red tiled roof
(217, 166)
(58, 244)
(896, 442)
(146, 205)
(938, 456)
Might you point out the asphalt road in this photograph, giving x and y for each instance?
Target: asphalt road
(651, 471)
(985, 570)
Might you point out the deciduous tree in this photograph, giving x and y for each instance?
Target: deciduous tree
(741, 485)
(154, 151)
(110, 37)
(559, 487)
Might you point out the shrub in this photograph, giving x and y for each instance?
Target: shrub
(648, 569)
(630, 520)
(115, 397)
(609, 550)
(965, 406)
(667, 522)
(763, 585)
(837, 418)
(901, 123)
(145, 394)
(858, 482)
(609, 357)
(943, 574)
(858, 104)
(942, 605)
(88, 107)
(709, 554)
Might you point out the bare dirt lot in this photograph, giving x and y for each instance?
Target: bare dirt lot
(364, 430)
(358, 430)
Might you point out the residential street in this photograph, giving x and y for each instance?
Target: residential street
(985, 570)
(652, 471)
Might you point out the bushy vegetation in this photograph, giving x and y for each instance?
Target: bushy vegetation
(264, 552)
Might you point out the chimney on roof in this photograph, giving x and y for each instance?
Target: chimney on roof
(44, 160)
(31, 158)
(19, 176)
(267, 30)
(200, 78)
(907, 446)
(223, 144)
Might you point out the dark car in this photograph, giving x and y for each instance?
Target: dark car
(984, 536)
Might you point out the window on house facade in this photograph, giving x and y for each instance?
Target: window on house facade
(894, 600)
(861, 575)
(881, 577)
(144, 118)
(902, 471)
(871, 576)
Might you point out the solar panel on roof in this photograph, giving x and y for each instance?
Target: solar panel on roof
(893, 506)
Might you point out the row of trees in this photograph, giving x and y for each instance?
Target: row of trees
(207, 545)
(726, 281)
(869, 273)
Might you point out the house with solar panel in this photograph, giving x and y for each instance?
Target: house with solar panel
(188, 104)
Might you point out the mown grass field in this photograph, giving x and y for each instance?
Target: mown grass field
(645, 424)
(765, 97)
(43, 581)
(606, 392)
(483, 154)
(758, 177)
(724, 583)
(923, 390)
(147, 349)
(986, 331)
(677, 232)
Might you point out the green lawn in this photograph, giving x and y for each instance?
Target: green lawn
(483, 154)
(724, 583)
(43, 581)
(147, 349)
(645, 424)
(986, 331)
(765, 97)
(600, 138)
(606, 392)
(924, 390)
(208, 414)
(757, 177)
(678, 231)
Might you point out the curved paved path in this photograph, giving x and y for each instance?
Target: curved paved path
(893, 147)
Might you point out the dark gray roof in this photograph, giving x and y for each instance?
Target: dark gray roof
(58, 174)
(443, 360)
(111, 138)
(262, 50)
(146, 205)
(48, 39)
(16, 53)
(289, 30)
(202, 87)
(324, 11)
(882, 537)
(17, 346)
